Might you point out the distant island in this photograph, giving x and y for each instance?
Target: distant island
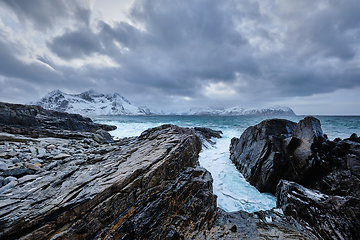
(92, 103)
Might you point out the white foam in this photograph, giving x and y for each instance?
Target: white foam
(233, 192)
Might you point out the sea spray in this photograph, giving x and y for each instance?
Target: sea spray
(233, 192)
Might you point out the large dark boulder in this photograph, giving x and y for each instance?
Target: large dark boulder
(318, 181)
(302, 150)
(278, 149)
(259, 153)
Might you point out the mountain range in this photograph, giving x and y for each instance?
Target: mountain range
(92, 103)
(237, 111)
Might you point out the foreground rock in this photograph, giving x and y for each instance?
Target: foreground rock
(338, 171)
(64, 178)
(332, 217)
(138, 188)
(276, 153)
(270, 224)
(147, 187)
(34, 121)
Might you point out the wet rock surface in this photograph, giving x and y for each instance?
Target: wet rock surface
(258, 154)
(151, 186)
(278, 149)
(331, 216)
(138, 188)
(146, 187)
(317, 181)
(339, 170)
(271, 224)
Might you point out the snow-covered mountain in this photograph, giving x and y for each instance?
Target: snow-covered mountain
(238, 111)
(90, 103)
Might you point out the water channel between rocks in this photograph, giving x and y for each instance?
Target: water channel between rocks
(233, 192)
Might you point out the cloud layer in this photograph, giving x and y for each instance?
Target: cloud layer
(169, 54)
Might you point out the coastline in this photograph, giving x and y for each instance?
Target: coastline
(150, 184)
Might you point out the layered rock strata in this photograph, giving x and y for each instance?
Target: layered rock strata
(146, 187)
(34, 121)
(138, 188)
(151, 186)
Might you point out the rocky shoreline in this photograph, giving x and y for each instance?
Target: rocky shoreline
(316, 181)
(63, 177)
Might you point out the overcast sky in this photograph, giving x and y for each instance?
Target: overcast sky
(177, 54)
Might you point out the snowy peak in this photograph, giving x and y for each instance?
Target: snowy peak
(55, 100)
(238, 111)
(55, 92)
(90, 103)
(278, 111)
(202, 111)
(90, 95)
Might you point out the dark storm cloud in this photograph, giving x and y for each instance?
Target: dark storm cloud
(44, 14)
(331, 31)
(12, 66)
(75, 44)
(182, 45)
(261, 50)
(174, 24)
(321, 48)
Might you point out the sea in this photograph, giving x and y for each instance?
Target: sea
(233, 191)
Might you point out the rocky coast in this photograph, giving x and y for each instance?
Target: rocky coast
(62, 176)
(316, 181)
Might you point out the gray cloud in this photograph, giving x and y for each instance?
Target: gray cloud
(262, 50)
(182, 46)
(320, 53)
(329, 31)
(12, 66)
(44, 15)
(75, 44)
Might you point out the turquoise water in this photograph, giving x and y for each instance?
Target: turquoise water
(233, 192)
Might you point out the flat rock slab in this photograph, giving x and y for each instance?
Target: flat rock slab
(87, 196)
